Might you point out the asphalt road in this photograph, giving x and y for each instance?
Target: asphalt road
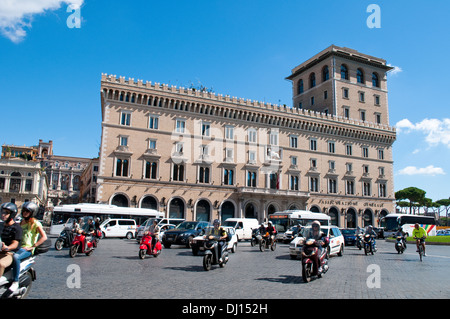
(114, 271)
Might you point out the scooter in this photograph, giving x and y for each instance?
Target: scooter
(26, 277)
(312, 263)
(78, 245)
(369, 244)
(65, 239)
(360, 240)
(145, 247)
(256, 237)
(400, 245)
(211, 258)
(266, 242)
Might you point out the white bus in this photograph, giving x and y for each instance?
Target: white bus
(66, 213)
(392, 222)
(282, 221)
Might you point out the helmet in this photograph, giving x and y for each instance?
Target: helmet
(31, 207)
(9, 208)
(216, 221)
(315, 223)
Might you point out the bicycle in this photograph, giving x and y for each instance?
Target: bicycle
(421, 243)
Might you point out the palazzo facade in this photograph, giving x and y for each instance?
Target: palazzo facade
(199, 155)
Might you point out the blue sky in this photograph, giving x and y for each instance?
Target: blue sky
(50, 73)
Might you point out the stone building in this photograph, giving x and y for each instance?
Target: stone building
(200, 155)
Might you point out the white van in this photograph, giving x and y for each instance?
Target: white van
(243, 226)
(124, 228)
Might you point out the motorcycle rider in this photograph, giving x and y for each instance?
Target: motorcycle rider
(271, 230)
(370, 231)
(11, 235)
(320, 237)
(89, 231)
(220, 232)
(31, 231)
(154, 230)
(402, 234)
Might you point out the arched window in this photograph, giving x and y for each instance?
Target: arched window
(360, 76)
(300, 87)
(375, 80)
(312, 80)
(325, 73)
(344, 72)
(203, 211)
(227, 210)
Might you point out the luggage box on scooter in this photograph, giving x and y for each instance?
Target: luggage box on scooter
(44, 247)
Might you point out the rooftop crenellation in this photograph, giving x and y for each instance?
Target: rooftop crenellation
(240, 101)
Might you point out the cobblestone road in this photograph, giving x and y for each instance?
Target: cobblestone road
(115, 271)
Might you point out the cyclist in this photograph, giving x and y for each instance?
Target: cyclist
(420, 234)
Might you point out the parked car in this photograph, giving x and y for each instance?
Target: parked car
(290, 234)
(184, 233)
(162, 229)
(125, 228)
(336, 245)
(349, 236)
(161, 222)
(443, 232)
(243, 226)
(198, 242)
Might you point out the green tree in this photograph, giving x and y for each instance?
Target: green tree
(413, 194)
(446, 204)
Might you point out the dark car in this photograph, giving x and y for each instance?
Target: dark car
(349, 236)
(183, 233)
(379, 231)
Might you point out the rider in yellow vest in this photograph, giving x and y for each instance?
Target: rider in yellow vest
(420, 234)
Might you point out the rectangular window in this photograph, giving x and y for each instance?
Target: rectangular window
(361, 97)
(313, 145)
(348, 149)
(331, 147)
(229, 132)
(293, 141)
(294, 160)
(366, 189)
(252, 136)
(152, 144)
(377, 99)
(228, 176)
(206, 127)
(125, 118)
(153, 122)
(346, 112)
(350, 187)
(294, 183)
(122, 167)
(312, 100)
(332, 186)
(325, 95)
(203, 175)
(381, 154)
(151, 170)
(124, 141)
(180, 126)
(28, 185)
(178, 172)
(313, 184)
(251, 179)
(382, 190)
(362, 115)
(349, 167)
(251, 156)
(273, 138)
(345, 93)
(365, 151)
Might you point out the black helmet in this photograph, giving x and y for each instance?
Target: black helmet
(31, 207)
(9, 208)
(216, 221)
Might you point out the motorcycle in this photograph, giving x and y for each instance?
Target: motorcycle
(312, 263)
(400, 245)
(65, 239)
(256, 237)
(78, 245)
(26, 277)
(145, 246)
(369, 244)
(267, 242)
(211, 258)
(360, 240)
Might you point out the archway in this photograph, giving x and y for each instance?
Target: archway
(149, 202)
(315, 209)
(367, 218)
(203, 211)
(227, 210)
(351, 218)
(120, 200)
(250, 211)
(176, 208)
(334, 215)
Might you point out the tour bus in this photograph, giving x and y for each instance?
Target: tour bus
(392, 222)
(64, 214)
(283, 220)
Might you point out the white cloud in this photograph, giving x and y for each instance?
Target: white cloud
(429, 170)
(436, 131)
(16, 15)
(396, 70)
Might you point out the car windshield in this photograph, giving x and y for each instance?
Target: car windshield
(348, 231)
(187, 225)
